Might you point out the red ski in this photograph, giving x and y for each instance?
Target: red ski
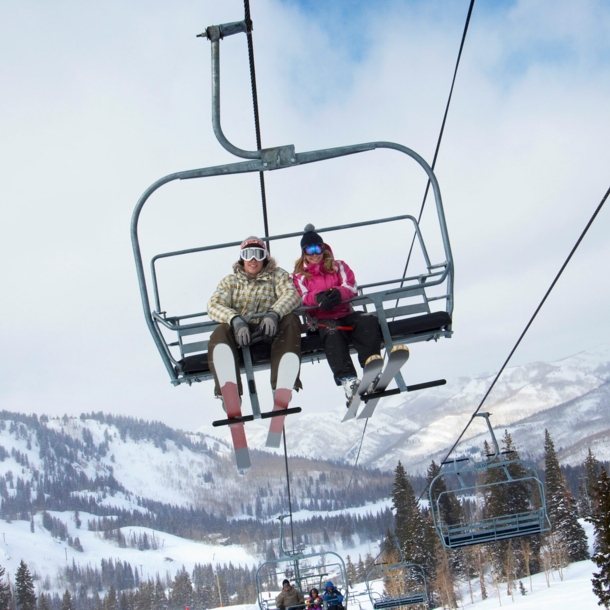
(286, 376)
(227, 379)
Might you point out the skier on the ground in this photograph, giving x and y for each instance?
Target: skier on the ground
(261, 290)
(325, 283)
(314, 601)
(289, 597)
(332, 596)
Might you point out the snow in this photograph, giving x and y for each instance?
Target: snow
(574, 591)
(46, 555)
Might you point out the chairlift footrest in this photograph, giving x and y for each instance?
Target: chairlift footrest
(247, 418)
(427, 384)
(372, 395)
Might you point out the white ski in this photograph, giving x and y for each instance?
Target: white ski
(397, 358)
(372, 368)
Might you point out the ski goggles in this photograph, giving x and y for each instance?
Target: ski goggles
(315, 249)
(248, 254)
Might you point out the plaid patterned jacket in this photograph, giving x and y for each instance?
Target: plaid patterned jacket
(238, 294)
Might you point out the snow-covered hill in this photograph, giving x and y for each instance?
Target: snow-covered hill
(570, 397)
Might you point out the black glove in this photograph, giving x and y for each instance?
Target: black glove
(334, 297)
(241, 330)
(269, 324)
(322, 301)
(329, 299)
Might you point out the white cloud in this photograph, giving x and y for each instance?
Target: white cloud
(100, 101)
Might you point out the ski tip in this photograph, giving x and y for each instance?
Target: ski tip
(398, 348)
(274, 440)
(242, 459)
(349, 415)
(373, 358)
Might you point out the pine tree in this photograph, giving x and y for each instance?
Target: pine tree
(66, 601)
(182, 591)
(360, 570)
(145, 596)
(111, 602)
(410, 528)
(415, 534)
(562, 507)
(24, 585)
(585, 493)
(5, 591)
(450, 509)
(350, 570)
(44, 603)
(601, 523)
(159, 597)
(504, 496)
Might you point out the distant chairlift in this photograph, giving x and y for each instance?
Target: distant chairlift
(410, 309)
(305, 570)
(505, 477)
(404, 584)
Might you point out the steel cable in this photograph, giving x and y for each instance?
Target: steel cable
(440, 135)
(257, 129)
(512, 351)
(257, 126)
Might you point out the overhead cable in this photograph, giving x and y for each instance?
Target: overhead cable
(544, 298)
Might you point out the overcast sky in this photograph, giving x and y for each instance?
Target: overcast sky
(98, 100)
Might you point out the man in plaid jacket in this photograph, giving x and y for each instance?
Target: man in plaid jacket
(254, 305)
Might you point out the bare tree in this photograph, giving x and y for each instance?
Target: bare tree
(526, 550)
(481, 570)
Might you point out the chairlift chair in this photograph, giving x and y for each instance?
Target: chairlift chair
(306, 570)
(404, 584)
(462, 478)
(410, 309)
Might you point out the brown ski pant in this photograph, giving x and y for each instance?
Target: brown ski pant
(287, 339)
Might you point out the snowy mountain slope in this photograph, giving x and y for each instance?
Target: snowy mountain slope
(563, 396)
(46, 556)
(167, 473)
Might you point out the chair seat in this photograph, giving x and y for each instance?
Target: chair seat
(400, 330)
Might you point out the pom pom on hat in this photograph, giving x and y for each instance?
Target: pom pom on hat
(310, 237)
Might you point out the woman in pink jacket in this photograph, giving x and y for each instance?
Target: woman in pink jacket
(327, 283)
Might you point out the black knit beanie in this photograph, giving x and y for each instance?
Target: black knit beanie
(310, 237)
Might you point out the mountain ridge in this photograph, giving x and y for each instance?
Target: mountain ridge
(417, 428)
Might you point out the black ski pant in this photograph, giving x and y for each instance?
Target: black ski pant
(287, 339)
(366, 339)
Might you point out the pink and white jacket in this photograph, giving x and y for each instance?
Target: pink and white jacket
(342, 279)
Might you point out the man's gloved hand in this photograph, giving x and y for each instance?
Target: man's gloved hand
(241, 330)
(334, 297)
(269, 324)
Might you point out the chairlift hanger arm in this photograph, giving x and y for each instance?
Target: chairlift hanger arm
(284, 156)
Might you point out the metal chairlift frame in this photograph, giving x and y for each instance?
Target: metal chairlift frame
(430, 325)
(297, 567)
(488, 529)
(381, 572)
